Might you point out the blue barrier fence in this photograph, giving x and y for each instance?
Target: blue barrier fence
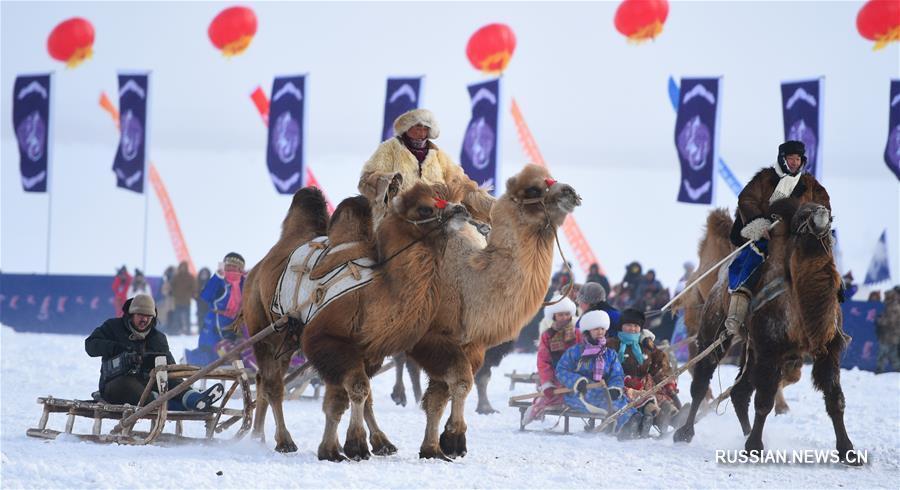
(57, 303)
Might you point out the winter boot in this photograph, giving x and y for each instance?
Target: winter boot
(199, 401)
(737, 311)
(631, 429)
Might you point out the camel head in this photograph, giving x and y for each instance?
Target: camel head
(538, 197)
(421, 211)
(812, 219)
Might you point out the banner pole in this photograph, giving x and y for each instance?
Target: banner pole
(146, 207)
(51, 132)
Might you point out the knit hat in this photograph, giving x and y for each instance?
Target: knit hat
(591, 293)
(143, 304)
(234, 258)
(417, 116)
(564, 306)
(631, 315)
(593, 319)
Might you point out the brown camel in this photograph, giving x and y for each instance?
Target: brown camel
(348, 341)
(713, 247)
(796, 313)
(487, 295)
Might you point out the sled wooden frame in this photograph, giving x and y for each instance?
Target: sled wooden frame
(160, 375)
(590, 419)
(515, 377)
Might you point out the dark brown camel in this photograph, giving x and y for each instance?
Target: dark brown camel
(803, 319)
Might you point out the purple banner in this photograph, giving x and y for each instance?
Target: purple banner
(892, 148)
(695, 138)
(479, 149)
(31, 122)
(402, 96)
(284, 151)
(130, 159)
(801, 106)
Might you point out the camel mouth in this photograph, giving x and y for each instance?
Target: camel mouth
(821, 219)
(569, 199)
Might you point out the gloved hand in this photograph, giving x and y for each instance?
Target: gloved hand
(615, 392)
(634, 382)
(548, 392)
(756, 229)
(581, 386)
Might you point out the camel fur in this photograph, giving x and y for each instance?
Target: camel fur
(487, 294)
(803, 320)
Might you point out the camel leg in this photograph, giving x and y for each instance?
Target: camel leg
(703, 372)
(765, 376)
(270, 388)
(459, 379)
(415, 378)
(262, 407)
(433, 402)
(827, 377)
(791, 376)
(740, 396)
(334, 404)
(381, 445)
(356, 383)
(399, 392)
(482, 378)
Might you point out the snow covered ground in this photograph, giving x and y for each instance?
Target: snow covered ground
(499, 455)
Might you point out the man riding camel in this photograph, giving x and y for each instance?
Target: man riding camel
(752, 220)
(413, 156)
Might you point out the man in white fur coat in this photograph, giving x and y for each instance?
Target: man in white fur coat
(414, 157)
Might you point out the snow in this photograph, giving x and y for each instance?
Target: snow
(499, 455)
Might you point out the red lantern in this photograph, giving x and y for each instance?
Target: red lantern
(491, 48)
(640, 20)
(232, 30)
(879, 21)
(71, 41)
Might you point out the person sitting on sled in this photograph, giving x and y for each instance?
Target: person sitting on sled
(223, 294)
(128, 347)
(591, 361)
(752, 220)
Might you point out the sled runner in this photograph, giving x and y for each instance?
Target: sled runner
(216, 418)
(589, 419)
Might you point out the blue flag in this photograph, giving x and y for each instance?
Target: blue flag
(695, 138)
(879, 270)
(892, 148)
(801, 106)
(284, 151)
(131, 155)
(402, 96)
(479, 149)
(31, 122)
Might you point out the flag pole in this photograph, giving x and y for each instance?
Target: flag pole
(51, 118)
(146, 207)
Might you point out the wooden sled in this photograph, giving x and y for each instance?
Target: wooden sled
(162, 373)
(589, 419)
(515, 377)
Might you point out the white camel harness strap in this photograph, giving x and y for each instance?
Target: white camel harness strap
(297, 292)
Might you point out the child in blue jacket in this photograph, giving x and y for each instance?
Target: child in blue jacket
(223, 294)
(590, 361)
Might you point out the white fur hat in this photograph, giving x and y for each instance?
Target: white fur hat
(564, 306)
(593, 319)
(646, 334)
(417, 116)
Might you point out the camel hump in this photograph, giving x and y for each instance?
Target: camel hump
(719, 223)
(307, 215)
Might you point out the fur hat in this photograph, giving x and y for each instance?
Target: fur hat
(234, 258)
(143, 304)
(417, 116)
(593, 319)
(791, 147)
(631, 315)
(591, 293)
(647, 334)
(564, 306)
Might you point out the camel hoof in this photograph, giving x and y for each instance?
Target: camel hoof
(779, 410)
(847, 460)
(684, 434)
(399, 397)
(356, 449)
(485, 409)
(332, 454)
(383, 447)
(752, 446)
(286, 447)
(453, 445)
(433, 453)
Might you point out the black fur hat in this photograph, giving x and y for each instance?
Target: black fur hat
(631, 315)
(791, 147)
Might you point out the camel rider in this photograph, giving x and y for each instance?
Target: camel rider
(412, 155)
(752, 221)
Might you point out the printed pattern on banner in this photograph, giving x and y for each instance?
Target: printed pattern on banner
(859, 324)
(129, 165)
(892, 148)
(801, 106)
(879, 270)
(31, 123)
(695, 138)
(479, 149)
(402, 96)
(284, 151)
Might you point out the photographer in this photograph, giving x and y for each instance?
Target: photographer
(128, 347)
